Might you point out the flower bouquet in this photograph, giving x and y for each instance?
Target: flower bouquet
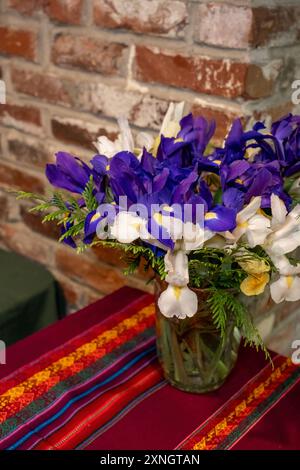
(215, 225)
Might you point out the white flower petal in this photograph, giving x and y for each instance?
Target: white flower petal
(286, 288)
(176, 265)
(278, 290)
(293, 292)
(279, 211)
(194, 236)
(249, 210)
(172, 225)
(144, 139)
(255, 237)
(284, 267)
(127, 227)
(180, 302)
(170, 125)
(285, 245)
(126, 134)
(107, 147)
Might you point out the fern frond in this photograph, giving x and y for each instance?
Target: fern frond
(28, 195)
(56, 215)
(72, 231)
(217, 305)
(88, 195)
(44, 206)
(57, 200)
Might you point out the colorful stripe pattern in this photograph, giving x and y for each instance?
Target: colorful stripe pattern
(82, 385)
(244, 409)
(70, 396)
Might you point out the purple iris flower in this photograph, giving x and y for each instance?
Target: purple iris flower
(90, 225)
(68, 240)
(233, 198)
(197, 131)
(175, 154)
(68, 173)
(287, 133)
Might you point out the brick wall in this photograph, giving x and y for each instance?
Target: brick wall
(72, 66)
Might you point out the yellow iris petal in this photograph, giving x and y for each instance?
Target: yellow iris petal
(210, 216)
(177, 292)
(95, 217)
(158, 218)
(255, 266)
(172, 129)
(155, 146)
(254, 284)
(239, 181)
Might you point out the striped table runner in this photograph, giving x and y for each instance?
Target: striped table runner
(75, 393)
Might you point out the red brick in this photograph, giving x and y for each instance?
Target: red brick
(18, 42)
(16, 178)
(275, 112)
(212, 18)
(72, 291)
(88, 271)
(256, 84)
(91, 296)
(62, 11)
(17, 238)
(78, 132)
(34, 222)
(280, 24)
(116, 257)
(27, 7)
(163, 17)
(4, 212)
(222, 77)
(88, 53)
(29, 151)
(10, 113)
(141, 109)
(248, 26)
(110, 256)
(45, 86)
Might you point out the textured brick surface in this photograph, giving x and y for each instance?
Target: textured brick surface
(91, 273)
(18, 42)
(27, 150)
(163, 17)
(16, 115)
(17, 178)
(46, 86)
(64, 11)
(222, 77)
(79, 132)
(88, 53)
(249, 26)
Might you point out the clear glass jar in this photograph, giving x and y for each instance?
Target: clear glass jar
(192, 353)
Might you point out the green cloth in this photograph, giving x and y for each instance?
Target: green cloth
(30, 297)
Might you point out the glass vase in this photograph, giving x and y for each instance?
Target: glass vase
(193, 355)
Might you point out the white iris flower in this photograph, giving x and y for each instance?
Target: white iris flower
(250, 224)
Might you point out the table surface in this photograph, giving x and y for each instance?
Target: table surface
(92, 381)
(30, 297)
